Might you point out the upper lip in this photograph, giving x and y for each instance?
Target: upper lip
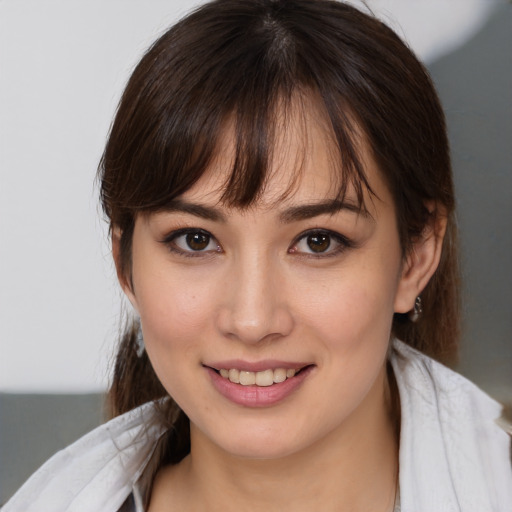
(256, 366)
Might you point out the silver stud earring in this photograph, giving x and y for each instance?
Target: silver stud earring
(415, 313)
(139, 342)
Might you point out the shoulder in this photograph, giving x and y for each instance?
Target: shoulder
(97, 472)
(453, 455)
(423, 378)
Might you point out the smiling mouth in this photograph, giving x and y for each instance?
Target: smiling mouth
(263, 378)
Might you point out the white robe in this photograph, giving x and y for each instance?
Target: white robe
(453, 456)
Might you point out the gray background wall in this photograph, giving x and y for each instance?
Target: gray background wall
(475, 85)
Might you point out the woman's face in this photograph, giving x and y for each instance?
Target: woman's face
(290, 285)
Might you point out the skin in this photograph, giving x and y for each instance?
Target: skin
(258, 291)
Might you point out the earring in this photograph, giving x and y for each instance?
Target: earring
(415, 313)
(139, 342)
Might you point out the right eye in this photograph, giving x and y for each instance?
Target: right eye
(192, 242)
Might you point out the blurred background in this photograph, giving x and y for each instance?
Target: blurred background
(63, 64)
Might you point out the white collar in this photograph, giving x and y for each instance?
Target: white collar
(453, 456)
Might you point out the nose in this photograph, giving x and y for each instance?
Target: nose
(255, 305)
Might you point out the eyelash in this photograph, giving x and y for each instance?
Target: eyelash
(343, 243)
(170, 242)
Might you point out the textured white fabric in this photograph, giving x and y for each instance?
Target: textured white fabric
(453, 456)
(97, 472)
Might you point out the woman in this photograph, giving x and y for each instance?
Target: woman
(278, 186)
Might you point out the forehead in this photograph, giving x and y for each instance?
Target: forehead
(304, 163)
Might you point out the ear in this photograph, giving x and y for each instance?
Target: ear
(123, 274)
(422, 260)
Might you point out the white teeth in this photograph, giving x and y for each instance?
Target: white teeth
(234, 375)
(247, 378)
(263, 378)
(279, 375)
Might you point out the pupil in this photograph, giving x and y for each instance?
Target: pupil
(319, 242)
(197, 241)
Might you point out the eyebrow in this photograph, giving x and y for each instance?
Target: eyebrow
(330, 207)
(199, 210)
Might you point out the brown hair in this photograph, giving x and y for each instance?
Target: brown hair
(242, 60)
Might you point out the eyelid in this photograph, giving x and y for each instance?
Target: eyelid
(173, 235)
(344, 243)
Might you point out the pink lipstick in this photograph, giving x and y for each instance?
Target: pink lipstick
(261, 384)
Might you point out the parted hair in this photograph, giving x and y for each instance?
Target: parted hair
(244, 61)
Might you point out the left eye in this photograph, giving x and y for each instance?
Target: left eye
(320, 243)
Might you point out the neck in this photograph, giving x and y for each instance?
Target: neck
(354, 468)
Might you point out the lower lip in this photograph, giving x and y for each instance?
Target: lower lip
(257, 396)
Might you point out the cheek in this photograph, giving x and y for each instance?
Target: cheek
(350, 317)
(175, 311)
(174, 320)
(170, 298)
(352, 305)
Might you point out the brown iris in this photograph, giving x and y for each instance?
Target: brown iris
(197, 241)
(319, 242)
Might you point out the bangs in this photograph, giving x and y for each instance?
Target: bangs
(260, 147)
(260, 140)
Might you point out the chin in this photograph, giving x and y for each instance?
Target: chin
(266, 440)
(263, 449)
